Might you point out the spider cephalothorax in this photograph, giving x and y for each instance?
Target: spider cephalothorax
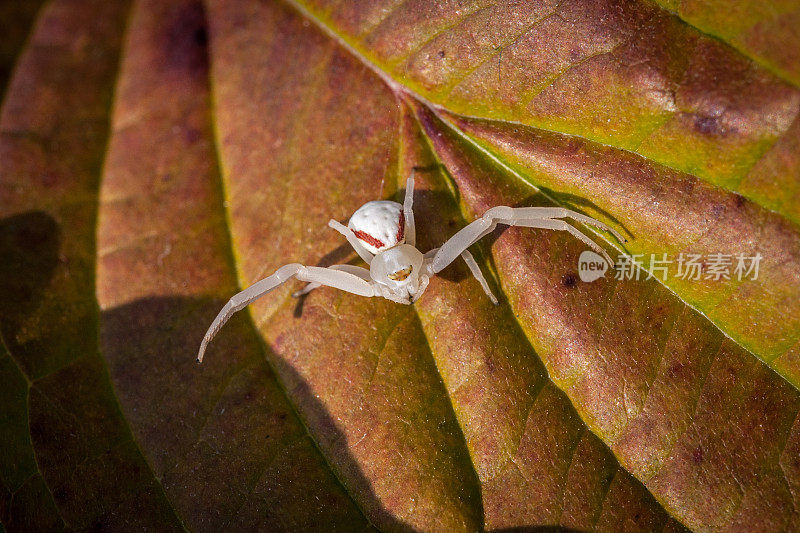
(383, 234)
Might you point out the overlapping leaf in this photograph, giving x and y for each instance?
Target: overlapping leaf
(616, 404)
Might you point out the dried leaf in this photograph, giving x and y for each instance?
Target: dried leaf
(239, 128)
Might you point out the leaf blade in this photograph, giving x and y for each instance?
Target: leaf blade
(277, 199)
(442, 415)
(610, 365)
(53, 126)
(762, 32)
(529, 446)
(630, 76)
(161, 206)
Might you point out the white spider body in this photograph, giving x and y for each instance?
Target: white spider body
(379, 225)
(384, 235)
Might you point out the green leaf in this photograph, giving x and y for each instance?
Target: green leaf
(763, 31)
(159, 156)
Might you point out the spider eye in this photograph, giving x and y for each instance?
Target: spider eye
(401, 274)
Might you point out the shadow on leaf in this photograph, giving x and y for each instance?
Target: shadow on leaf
(29, 244)
(223, 438)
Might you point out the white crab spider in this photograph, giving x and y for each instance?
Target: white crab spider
(384, 235)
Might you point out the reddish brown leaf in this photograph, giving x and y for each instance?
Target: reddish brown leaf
(620, 72)
(359, 370)
(16, 19)
(225, 443)
(535, 458)
(670, 212)
(240, 127)
(671, 395)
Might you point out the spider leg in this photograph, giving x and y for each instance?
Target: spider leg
(423, 284)
(476, 271)
(362, 273)
(532, 217)
(559, 212)
(352, 239)
(547, 223)
(430, 254)
(345, 281)
(479, 232)
(463, 239)
(408, 212)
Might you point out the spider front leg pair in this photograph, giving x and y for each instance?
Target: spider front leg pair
(339, 278)
(383, 233)
(530, 217)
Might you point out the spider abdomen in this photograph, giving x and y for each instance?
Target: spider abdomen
(379, 225)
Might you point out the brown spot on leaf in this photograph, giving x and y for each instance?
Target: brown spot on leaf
(707, 125)
(697, 455)
(688, 184)
(49, 179)
(569, 280)
(186, 38)
(192, 135)
(676, 369)
(201, 36)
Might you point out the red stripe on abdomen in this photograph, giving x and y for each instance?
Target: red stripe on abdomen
(402, 228)
(369, 239)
